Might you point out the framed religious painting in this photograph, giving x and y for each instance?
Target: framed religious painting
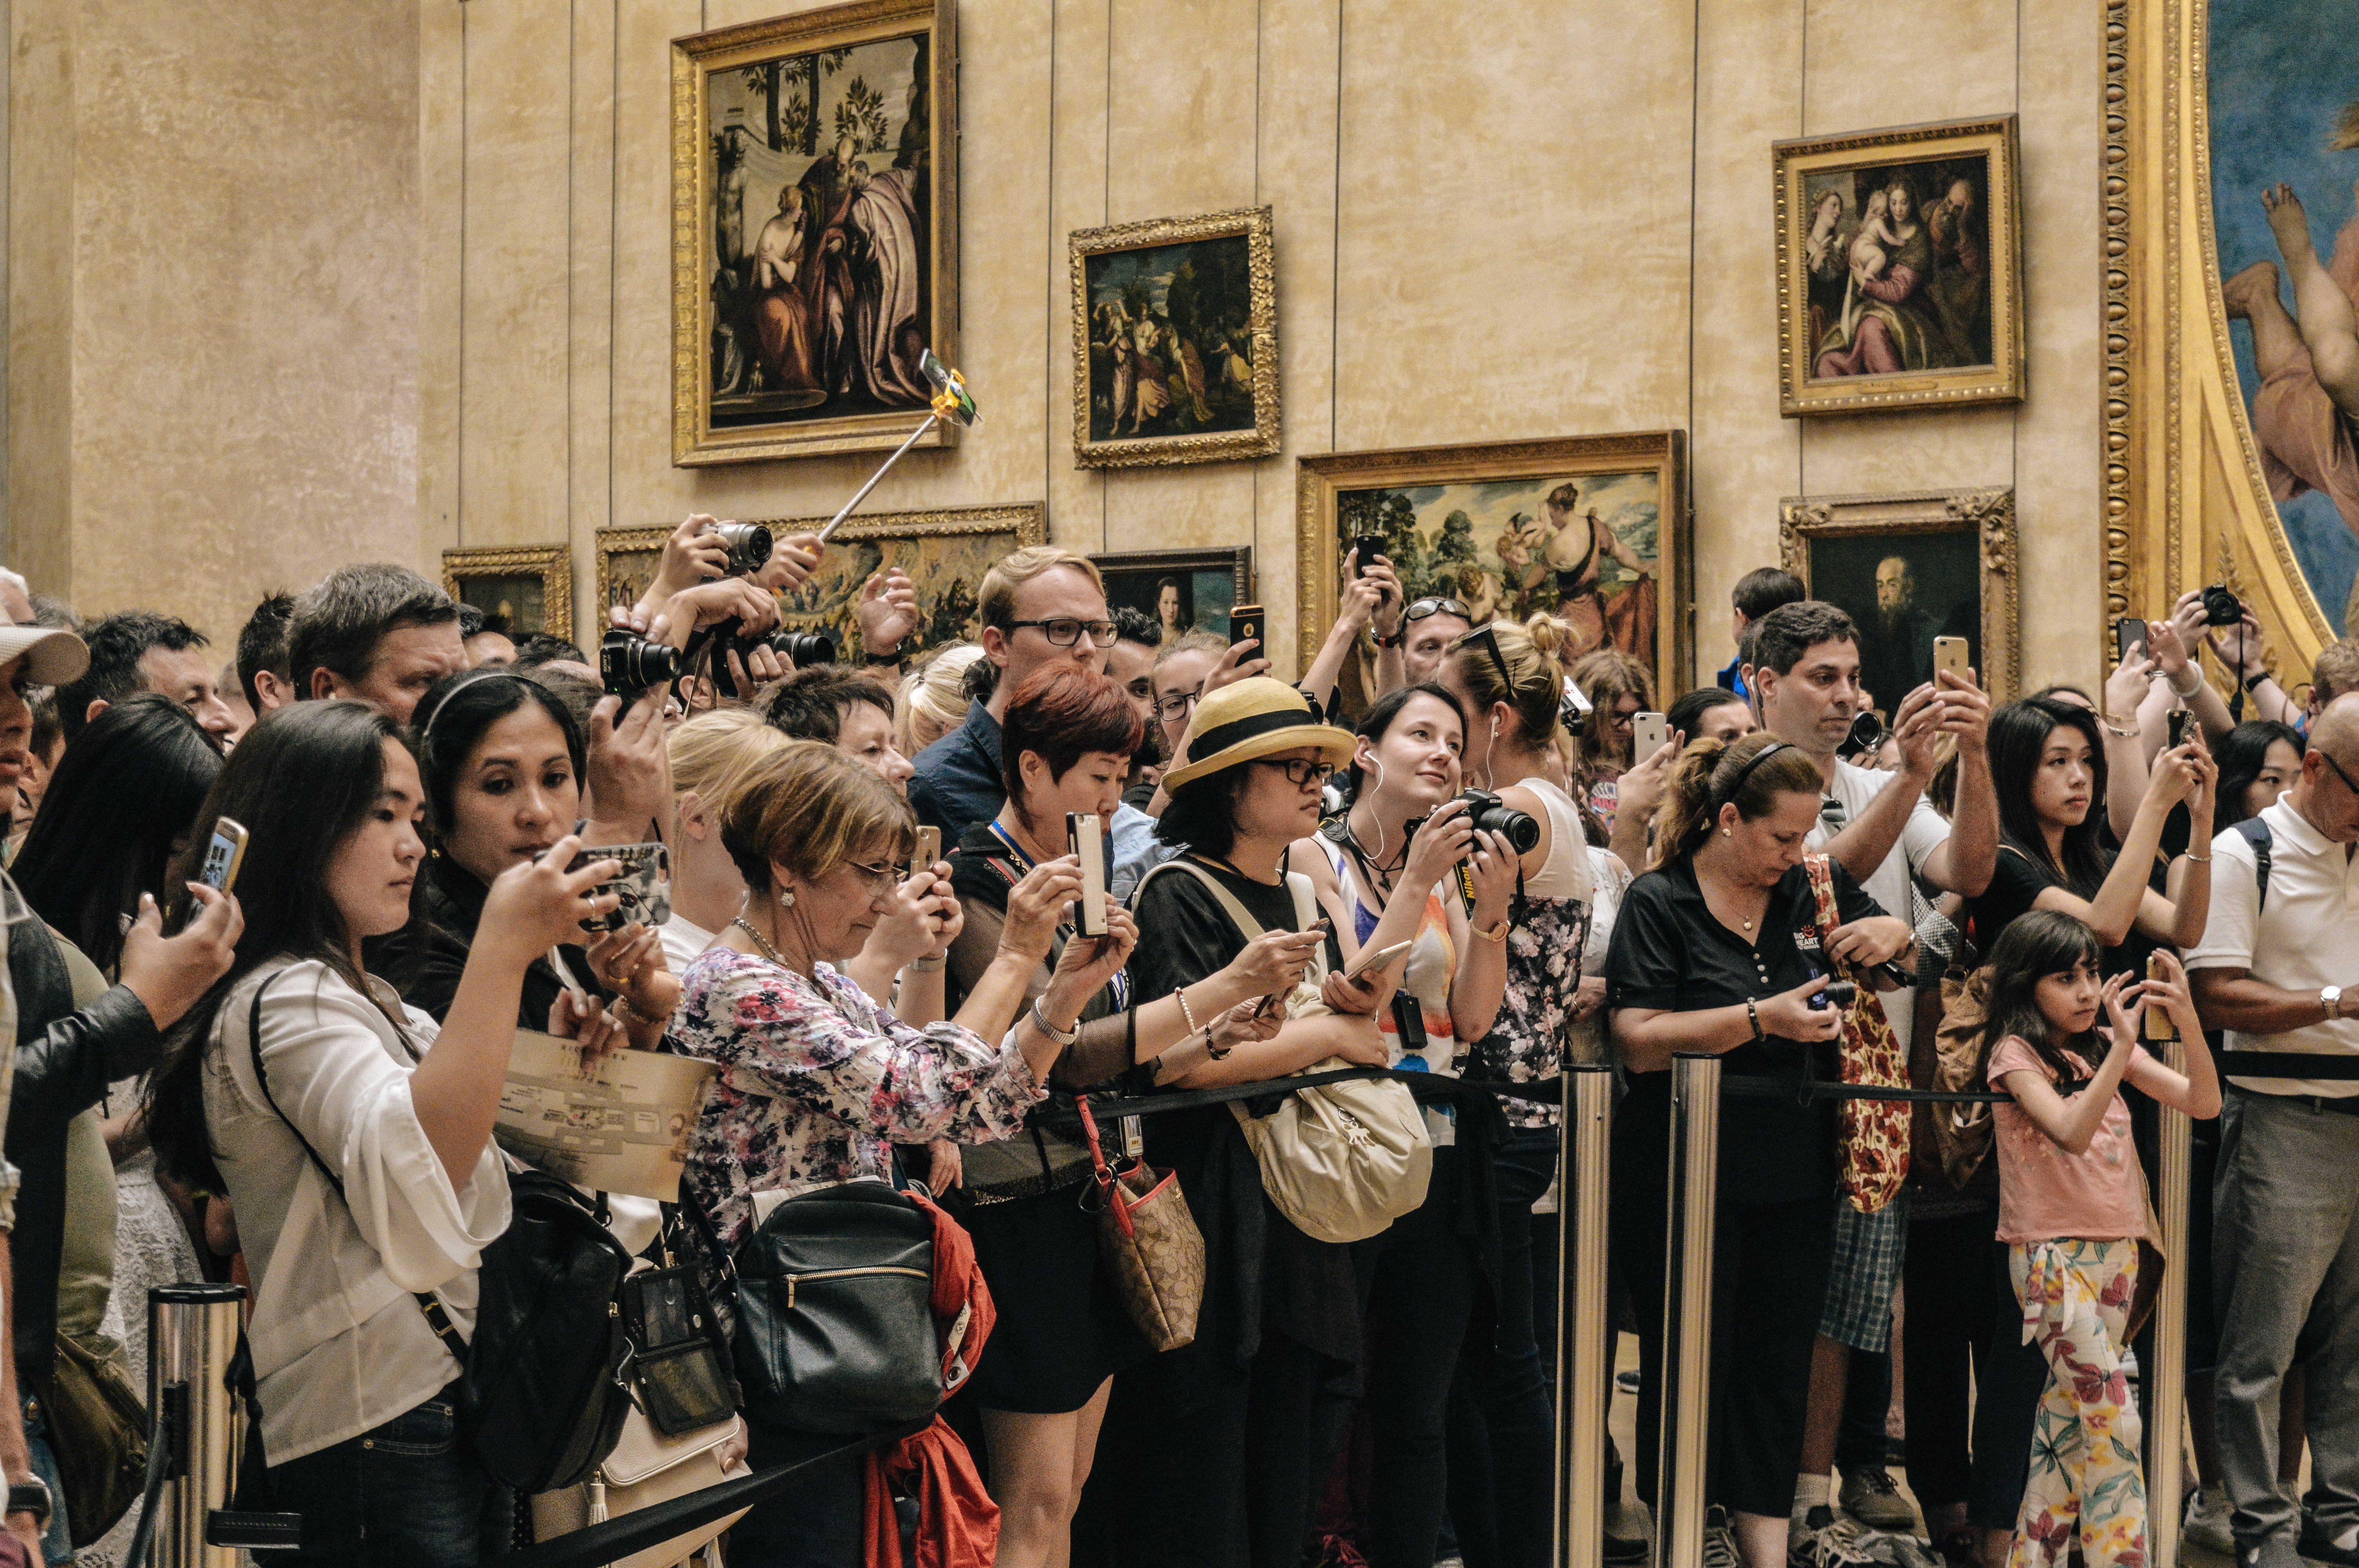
(626, 562)
(520, 589)
(1179, 590)
(1909, 569)
(945, 554)
(814, 230)
(1899, 269)
(1175, 340)
(1592, 528)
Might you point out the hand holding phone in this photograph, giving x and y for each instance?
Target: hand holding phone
(1086, 839)
(1376, 958)
(1648, 734)
(1246, 624)
(2129, 638)
(1950, 653)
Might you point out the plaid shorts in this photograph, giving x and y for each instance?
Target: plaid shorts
(1861, 1275)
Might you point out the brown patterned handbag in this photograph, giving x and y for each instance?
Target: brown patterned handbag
(1873, 1132)
(1149, 1243)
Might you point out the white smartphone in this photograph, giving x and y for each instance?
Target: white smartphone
(223, 856)
(1083, 836)
(1648, 731)
(1376, 958)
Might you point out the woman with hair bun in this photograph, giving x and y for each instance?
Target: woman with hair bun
(1717, 949)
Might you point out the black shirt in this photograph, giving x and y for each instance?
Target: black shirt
(2016, 881)
(1670, 952)
(427, 962)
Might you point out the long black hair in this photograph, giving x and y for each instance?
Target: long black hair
(1377, 723)
(2034, 945)
(117, 811)
(302, 782)
(450, 720)
(2243, 754)
(2018, 734)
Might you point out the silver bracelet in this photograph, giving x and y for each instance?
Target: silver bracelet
(929, 966)
(1061, 1036)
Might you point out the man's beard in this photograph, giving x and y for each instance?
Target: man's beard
(1893, 620)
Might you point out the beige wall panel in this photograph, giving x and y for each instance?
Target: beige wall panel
(40, 292)
(1743, 457)
(1299, 72)
(1870, 63)
(1080, 99)
(514, 364)
(1855, 454)
(441, 150)
(244, 392)
(2059, 436)
(1553, 292)
(590, 368)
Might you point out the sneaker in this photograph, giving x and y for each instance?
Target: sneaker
(1627, 1382)
(1871, 1497)
(1825, 1539)
(1623, 1549)
(2207, 1521)
(2317, 1546)
(1720, 1540)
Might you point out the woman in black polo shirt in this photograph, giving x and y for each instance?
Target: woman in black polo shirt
(1717, 950)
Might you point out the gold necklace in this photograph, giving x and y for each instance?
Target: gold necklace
(742, 924)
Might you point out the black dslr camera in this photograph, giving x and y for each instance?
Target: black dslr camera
(629, 664)
(1838, 994)
(1489, 814)
(2222, 608)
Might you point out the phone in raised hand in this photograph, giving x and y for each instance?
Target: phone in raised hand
(2176, 719)
(1087, 841)
(1950, 653)
(929, 849)
(1650, 732)
(223, 856)
(1245, 623)
(2129, 637)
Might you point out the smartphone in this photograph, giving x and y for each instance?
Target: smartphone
(1648, 732)
(2129, 637)
(1950, 653)
(1376, 958)
(1087, 840)
(1370, 546)
(1324, 928)
(223, 856)
(1245, 623)
(2178, 721)
(644, 888)
(929, 849)
(2159, 1026)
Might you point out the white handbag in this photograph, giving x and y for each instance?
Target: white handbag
(1341, 1162)
(646, 1468)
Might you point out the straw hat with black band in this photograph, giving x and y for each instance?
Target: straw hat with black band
(51, 657)
(1257, 716)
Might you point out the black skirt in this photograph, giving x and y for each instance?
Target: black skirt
(1061, 1329)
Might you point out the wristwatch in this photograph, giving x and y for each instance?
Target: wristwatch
(1061, 1036)
(30, 1496)
(2331, 998)
(882, 659)
(1395, 641)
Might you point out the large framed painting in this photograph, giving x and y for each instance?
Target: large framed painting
(1175, 340)
(527, 587)
(1899, 269)
(814, 230)
(1592, 528)
(1909, 569)
(1181, 590)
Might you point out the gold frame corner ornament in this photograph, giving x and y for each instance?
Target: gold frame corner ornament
(1252, 223)
(552, 563)
(694, 58)
(1987, 513)
(1801, 394)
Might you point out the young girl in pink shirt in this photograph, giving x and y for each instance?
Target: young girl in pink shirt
(2072, 1209)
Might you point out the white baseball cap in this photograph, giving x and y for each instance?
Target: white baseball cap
(51, 657)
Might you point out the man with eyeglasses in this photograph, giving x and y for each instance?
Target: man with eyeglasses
(1889, 837)
(2278, 969)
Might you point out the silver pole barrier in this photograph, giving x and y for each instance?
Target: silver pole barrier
(2168, 1377)
(1584, 1339)
(192, 1338)
(1687, 1310)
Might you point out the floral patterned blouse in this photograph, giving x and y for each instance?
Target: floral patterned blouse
(818, 1083)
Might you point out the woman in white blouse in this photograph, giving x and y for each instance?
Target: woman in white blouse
(360, 1161)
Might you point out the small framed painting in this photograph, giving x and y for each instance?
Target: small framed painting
(529, 587)
(627, 561)
(1181, 590)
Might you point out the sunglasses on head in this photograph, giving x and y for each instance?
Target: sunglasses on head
(1483, 637)
(1419, 609)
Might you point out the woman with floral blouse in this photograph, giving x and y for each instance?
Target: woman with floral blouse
(818, 1082)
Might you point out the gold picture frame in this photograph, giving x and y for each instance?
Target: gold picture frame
(753, 377)
(1504, 493)
(624, 562)
(1840, 347)
(1208, 401)
(1950, 540)
(530, 585)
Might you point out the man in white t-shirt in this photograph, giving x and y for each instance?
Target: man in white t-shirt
(2273, 970)
(1883, 831)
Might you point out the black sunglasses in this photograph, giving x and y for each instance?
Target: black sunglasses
(2328, 758)
(1483, 637)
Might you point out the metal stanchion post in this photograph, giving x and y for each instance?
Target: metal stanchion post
(1584, 1339)
(192, 1337)
(2168, 1377)
(1687, 1310)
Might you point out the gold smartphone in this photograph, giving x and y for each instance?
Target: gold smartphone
(1950, 653)
(929, 849)
(2159, 1026)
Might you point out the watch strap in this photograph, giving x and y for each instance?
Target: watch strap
(30, 1496)
(1395, 641)
(893, 658)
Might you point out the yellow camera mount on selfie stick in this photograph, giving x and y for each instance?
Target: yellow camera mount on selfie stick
(951, 402)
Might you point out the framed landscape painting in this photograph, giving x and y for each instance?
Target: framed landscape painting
(1175, 342)
(814, 230)
(1181, 590)
(1592, 528)
(1899, 269)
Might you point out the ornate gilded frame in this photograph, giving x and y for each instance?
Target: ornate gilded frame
(1989, 515)
(1320, 480)
(1029, 521)
(1801, 395)
(553, 564)
(1252, 224)
(695, 441)
(611, 543)
(2185, 503)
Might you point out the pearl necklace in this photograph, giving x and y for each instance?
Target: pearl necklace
(769, 952)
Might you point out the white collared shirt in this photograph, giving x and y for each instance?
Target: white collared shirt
(2306, 937)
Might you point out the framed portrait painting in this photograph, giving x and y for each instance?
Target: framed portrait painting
(1899, 269)
(1909, 569)
(1592, 528)
(1175, 340)
(1181, 590)
(814, 230)
(527, 587)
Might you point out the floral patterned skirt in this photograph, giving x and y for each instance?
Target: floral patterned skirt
(2086, 1472)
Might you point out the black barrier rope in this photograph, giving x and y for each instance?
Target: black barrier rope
(635, 1532)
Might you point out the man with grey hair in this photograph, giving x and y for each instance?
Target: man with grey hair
(378, 633)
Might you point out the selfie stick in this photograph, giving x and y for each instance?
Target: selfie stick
(949, 402)
(862, 494)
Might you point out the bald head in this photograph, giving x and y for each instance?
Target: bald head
(2326, 793)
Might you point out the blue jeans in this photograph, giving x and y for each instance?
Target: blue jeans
(405, 1495)
(57, 1541)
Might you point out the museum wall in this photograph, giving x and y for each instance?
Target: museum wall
(213, 297)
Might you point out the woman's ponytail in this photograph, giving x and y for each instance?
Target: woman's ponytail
(1749, 773)
(1684, 815)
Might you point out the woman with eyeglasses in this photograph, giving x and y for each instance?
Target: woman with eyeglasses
(1619, 689)
(1709, 954)
(819, 1082)
(1237, 1441)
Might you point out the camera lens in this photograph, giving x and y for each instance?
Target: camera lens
(2221, 608)
(629, 663)
(1838, 994)
(804, 649)
(1866, 734)
(1491, 815)
(749, 546)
